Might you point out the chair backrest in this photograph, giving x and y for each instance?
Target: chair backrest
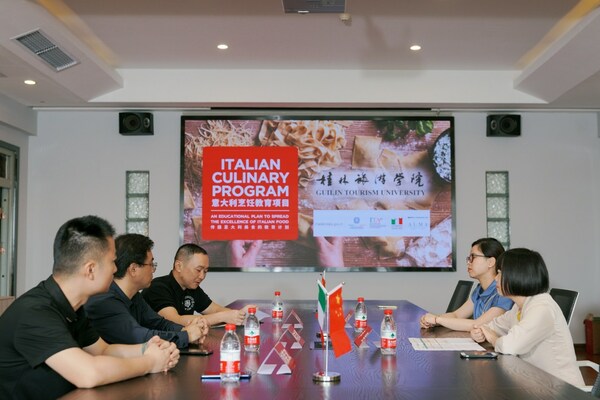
(460, 295)
(566, 300)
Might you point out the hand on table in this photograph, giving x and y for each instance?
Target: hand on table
(195, 332)
(236, 317)
(477, 334)
(201, 322)
(428, 321)
(489, 334)
(164, 355)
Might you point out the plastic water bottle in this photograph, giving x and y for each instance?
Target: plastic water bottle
(360, 316)
(230, 355)
(388, 333)
(277, 312)
(251, 331)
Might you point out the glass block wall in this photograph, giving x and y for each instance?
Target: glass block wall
(137, 194)
(497, 215)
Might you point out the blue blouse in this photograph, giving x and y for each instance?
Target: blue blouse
(484, 300)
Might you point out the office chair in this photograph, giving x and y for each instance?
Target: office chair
(460, 295)
(566, 300)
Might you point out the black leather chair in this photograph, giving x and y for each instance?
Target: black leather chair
(566, 300)
(460, 295)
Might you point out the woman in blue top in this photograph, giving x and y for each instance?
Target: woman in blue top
(485, 303)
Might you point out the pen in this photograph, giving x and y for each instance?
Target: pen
(383, 307)
(218, 376)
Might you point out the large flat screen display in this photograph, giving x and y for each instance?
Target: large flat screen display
(279, 193)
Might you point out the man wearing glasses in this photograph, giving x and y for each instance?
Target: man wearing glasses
(122, 315)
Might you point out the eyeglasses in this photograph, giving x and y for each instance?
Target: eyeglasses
(472, 256)
(153, 264)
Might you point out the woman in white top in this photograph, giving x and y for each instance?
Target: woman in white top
(485, 303)
(535, 328)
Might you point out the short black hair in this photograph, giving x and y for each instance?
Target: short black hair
(524, 273)
(78, 239)
(131, 248)
(490, 247)
(187, 250)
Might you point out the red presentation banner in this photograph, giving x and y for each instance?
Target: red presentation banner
(250, 193)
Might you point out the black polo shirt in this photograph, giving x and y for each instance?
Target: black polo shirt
(36, 326)
(164, 291)
(119, 319)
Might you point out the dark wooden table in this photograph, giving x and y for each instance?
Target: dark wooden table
(365, 374)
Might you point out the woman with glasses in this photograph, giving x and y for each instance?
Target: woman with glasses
(485, 303)
(535, 328)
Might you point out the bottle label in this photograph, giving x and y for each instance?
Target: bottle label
(360, 321)
(388, 343)
(277, 313)
(230, 362)
(250, 339)
(388, 340)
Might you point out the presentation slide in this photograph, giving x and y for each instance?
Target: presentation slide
(314, 194)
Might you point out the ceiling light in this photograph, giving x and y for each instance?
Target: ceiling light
(415, 47)
(29, 82)
(222, 46)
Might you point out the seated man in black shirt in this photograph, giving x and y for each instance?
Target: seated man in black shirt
(47, 346)
(122, 315)
(176, 296)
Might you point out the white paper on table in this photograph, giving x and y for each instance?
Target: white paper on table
(444, 344)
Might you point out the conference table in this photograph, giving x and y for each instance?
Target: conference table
(365, 373)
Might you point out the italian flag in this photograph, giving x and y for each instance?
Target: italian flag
(322, 305)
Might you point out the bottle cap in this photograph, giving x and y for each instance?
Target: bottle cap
(387, 311)
(277, 293)
(252, 310)
(361, 299)
(230, 327)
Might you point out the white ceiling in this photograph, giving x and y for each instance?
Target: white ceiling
(160, 53)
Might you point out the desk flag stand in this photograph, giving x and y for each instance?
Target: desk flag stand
(323, 316)
(326, 376)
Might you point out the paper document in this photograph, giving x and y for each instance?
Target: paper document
(441, 344)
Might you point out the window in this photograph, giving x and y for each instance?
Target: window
(498, 221)
(137, 202)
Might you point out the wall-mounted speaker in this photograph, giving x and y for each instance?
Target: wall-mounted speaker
(136, 123)
(504, 125)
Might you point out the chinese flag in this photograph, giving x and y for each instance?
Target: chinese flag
(339, 338)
